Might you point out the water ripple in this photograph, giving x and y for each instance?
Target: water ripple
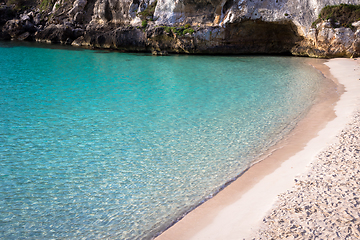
(117, 146)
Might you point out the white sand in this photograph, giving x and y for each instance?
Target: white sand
(325, 201)
(240, 217)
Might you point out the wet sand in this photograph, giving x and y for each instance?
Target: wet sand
(324, 203)
(238, 211)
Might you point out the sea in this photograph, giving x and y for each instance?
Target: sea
(98, 144)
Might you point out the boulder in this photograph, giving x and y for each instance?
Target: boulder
(159, 52)
(56, 34)
(356, 24)
(23, 36)
(80, 41)
(14, 28)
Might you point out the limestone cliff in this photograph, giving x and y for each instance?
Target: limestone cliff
(185, 26)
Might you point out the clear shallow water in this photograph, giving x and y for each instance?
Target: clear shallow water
(97, 144)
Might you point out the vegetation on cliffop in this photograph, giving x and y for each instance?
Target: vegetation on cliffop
(179, 30)
(342, 15)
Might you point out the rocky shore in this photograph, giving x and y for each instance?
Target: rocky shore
(192, 27)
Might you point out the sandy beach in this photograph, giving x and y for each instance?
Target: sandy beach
(307, 186)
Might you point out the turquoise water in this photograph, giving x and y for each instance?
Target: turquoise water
(97, 144)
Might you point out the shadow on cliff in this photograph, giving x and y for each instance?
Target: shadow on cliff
(254, 36)
(245, 37)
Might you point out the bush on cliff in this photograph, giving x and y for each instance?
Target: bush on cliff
(180, 30)
(148, 13)
(339, 15)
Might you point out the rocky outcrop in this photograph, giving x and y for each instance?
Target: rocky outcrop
(22, 28)
(238, 38)
(58, 34)
(130, 39)
(325, 41)
(6, 13)
(212, 26)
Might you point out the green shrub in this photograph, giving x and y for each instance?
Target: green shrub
(188, 30)
(344, 14)
(179, 30)
(144, 23)
(148, 13)
(167, 29)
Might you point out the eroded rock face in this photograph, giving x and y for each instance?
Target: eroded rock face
(56, 34)
(123, 12)
(131, 39)
(21, 29)
(325, 41)
(220, 12)
(238, 38)
(250, 36)
(220, 26)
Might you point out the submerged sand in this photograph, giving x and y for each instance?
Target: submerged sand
(315, 170)
(325, 201)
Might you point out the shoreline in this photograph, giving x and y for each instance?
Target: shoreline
(324, 201)
(236, 211)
